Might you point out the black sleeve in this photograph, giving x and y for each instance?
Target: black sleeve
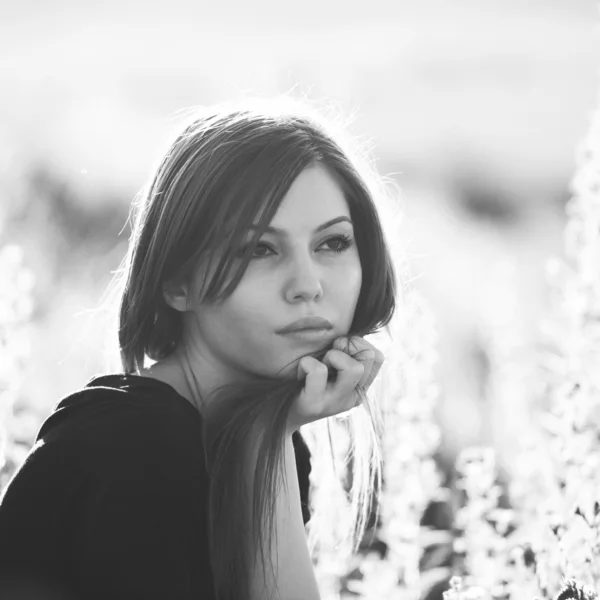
(303, 464)
(34, 526)
(114, 512)
(143, 532)
(113, 508)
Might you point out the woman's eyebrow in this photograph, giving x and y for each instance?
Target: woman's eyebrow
(325, 225)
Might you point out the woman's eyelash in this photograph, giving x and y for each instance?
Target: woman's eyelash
(345, 243)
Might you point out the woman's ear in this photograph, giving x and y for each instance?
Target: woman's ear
(176, 296)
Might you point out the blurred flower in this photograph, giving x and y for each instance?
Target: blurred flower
(572, 590)
(16, 306)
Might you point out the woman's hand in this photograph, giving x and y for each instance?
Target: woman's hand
(357, 363)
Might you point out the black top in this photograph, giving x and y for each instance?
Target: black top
(112, 501)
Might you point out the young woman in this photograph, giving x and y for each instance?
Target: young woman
(186, 476)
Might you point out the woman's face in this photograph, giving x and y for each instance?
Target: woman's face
(295, 272)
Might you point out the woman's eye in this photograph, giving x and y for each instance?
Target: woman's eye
(343, 243)
(263, 245)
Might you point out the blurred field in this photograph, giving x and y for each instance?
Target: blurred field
(476, 109)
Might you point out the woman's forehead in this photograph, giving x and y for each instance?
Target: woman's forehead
(314, 197)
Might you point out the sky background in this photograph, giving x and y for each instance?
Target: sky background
(507, 85)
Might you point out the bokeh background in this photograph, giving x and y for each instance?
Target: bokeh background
(475, 108)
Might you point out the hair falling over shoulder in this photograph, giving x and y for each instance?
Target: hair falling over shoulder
(226, 167)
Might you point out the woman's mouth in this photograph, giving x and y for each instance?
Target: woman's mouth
(308, 335)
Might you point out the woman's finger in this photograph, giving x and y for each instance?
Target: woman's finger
(376, 365)
(341, 393)
(365, 352)
(355, 364)
(366, 358)
(315, 383)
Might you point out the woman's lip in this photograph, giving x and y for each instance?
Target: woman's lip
(309, 335)
(312, 322)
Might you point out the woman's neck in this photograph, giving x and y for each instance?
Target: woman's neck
(173, 373)
(192, 376)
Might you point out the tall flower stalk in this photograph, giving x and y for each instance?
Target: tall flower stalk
(411, 479)
(16, 284)
(554, 546)
(333, 524)
(570, 402)
(482, 523)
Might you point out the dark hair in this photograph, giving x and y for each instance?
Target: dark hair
(226, 168)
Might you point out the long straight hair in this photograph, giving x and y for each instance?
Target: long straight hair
(226, 168)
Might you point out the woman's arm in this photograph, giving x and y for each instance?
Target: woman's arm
(357, 363)
(294, 574)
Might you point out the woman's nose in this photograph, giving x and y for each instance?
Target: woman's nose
(304, 279)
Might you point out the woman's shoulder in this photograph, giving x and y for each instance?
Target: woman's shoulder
(123, 415)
